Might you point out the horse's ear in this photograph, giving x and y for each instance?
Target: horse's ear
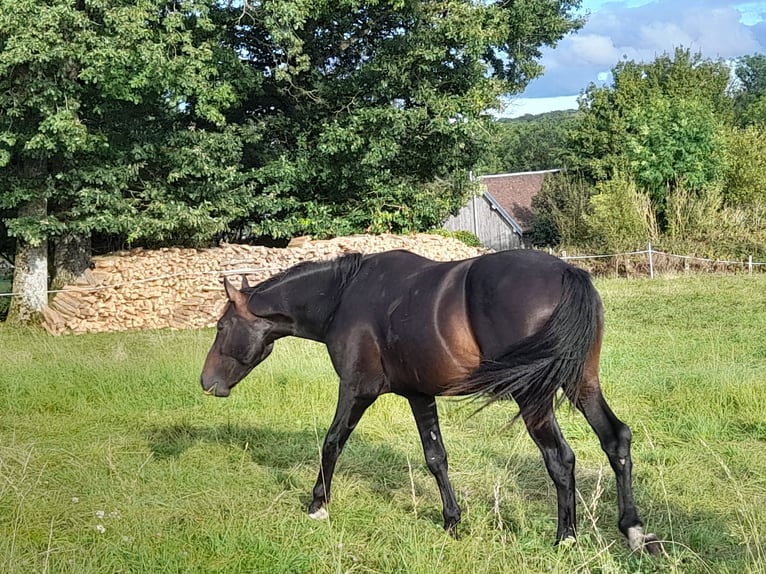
(235, 295)
(245, 284)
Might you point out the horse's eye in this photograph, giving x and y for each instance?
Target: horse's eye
(219, 327)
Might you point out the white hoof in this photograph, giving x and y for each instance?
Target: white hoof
(320, 514)
(636, 537)
(568, 542)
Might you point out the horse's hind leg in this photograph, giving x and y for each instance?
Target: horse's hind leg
(560, 463)
(615, 439)
(426, 417)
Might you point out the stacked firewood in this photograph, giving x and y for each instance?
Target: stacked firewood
(182, 288)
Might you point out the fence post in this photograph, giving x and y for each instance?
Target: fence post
(750, 264)
(651, 261)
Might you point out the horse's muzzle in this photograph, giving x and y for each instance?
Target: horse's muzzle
(214, 389)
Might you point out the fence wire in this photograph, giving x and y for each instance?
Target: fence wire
(250, 270)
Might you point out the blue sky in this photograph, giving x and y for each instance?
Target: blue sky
(640, 30)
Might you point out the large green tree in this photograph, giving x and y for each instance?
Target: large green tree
(106, 113)
(750, 90)
(173, 121)
(376, 110)
(528, 143)
(659, 123)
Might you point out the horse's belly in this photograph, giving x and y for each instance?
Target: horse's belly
(430, 367)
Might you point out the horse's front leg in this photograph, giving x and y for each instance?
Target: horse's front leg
(427, 418)
(351, 407)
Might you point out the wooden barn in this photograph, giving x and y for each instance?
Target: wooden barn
(502, 213)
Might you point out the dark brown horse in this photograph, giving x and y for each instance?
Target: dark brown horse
(515, 324)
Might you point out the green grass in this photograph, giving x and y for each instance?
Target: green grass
(112, 460)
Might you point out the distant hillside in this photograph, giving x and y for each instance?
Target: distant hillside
(556, 115)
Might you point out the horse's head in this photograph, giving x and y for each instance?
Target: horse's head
(242, 342)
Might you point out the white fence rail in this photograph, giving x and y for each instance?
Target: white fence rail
(651, 254)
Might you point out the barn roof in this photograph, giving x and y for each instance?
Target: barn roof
(513, 192)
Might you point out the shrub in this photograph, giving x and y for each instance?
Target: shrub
(461, 235)
(560, 211)
(622, 218)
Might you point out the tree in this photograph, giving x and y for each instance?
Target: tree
(561, 211)
(620, 217)
(172, 121)
(528, 143)
(659, 123)
(750, 90)
(92, 97)
(376, 111)
(745, 171)
(671, 141)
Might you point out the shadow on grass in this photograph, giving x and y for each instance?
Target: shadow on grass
(386, 470)
(280, 449)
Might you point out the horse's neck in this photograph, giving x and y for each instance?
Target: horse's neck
(308, 302)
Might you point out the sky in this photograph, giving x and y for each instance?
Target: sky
(640, 30)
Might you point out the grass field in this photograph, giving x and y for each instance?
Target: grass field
(112, 460)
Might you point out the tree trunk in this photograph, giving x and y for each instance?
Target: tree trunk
(71, 257)
(30, 275)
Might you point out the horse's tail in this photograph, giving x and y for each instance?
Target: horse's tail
(532, 370)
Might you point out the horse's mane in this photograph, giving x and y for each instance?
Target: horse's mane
(345, 268)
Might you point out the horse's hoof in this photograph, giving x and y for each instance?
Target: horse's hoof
(452, 530)
(652, 545)
(320, 514)
(640, 542)
(567, 542)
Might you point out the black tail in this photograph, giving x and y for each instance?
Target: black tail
(532, 370)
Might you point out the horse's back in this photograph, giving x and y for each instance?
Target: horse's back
(432, 322)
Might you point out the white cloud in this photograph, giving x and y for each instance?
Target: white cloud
(642, 31)
(592, 49)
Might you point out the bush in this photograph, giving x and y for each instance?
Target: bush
(461, 235)
(560, 211)
(622, 217)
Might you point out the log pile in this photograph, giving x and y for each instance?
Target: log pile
(181, 288)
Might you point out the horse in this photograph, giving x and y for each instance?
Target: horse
(519, 324)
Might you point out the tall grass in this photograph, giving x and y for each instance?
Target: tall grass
(112, 460)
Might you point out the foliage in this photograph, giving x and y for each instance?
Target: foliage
(701, 224)
(745, 175)
(113, 430)
(462, 235)
(658, 122)
(673, 140)
(621, 217)
(560, 211)
(750, 90)
(691, 214)
(93, 96)
(529, 143)
(163, 121)
(376, 111)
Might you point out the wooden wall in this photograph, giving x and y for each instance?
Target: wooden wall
(483, 220)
